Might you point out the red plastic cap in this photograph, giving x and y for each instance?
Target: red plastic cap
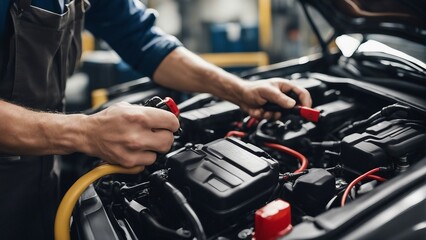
(309, 114)
(172, 106)
(273, 220)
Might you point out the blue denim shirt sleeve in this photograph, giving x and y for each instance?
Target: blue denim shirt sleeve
(128, 27)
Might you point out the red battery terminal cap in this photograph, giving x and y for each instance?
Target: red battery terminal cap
(273, 220)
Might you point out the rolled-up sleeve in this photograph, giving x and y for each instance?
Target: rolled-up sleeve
(128, 27)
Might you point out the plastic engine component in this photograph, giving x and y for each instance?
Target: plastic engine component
(313, 190)
(226, 178)
(93, 217)
(382, 144)
(212, 118)
(335, 112)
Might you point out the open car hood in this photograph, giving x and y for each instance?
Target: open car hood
(402, 18)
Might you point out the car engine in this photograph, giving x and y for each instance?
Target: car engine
(230, 176)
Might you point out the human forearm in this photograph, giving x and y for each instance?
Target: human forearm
(185, 71)
(26, 132)
(122, 134)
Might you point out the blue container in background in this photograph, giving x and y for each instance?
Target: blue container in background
(233, 37)
(250, 37)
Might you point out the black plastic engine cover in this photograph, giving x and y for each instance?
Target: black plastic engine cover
(206, 124)
(313, 190)
(335, 113)
(225, 178)
(382, 144)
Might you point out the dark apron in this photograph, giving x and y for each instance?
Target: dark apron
(44, 48)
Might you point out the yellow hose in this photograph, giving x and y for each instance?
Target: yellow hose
(63, 215)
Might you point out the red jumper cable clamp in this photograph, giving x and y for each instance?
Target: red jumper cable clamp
(309, 114)
(167, 104)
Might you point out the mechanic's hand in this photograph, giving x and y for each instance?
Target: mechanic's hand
(129, 135)
(257, 93)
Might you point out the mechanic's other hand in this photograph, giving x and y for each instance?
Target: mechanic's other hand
(129, 135)
(257, 93)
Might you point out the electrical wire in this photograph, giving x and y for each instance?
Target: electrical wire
(251, 122)
(158, 179)
(291, 176)
(380, 179)
(187, 210)
(369, 174)
(383, 114)
(63, 215)
(165, 231)
(142, 215)
(325, 144)
(377, 178)
(332, 200)
(302, 159)
(235, 134)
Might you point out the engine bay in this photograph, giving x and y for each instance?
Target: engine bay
(229, 176)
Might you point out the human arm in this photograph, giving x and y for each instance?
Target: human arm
(160, 57)
(183, 70)
(129, 28)
(125, 134)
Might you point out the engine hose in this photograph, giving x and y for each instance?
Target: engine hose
(63, 215)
